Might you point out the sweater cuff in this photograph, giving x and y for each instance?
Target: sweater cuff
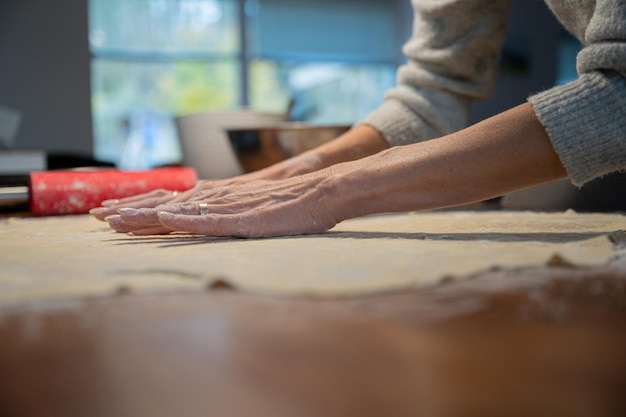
(586, 124)
(398, 125)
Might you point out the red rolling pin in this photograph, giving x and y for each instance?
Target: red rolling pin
(76, 192)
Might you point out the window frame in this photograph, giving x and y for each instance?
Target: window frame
(244, 56)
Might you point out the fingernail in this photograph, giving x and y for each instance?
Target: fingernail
(106, 203)
(95, 210)
(110, 217)
(127, 211)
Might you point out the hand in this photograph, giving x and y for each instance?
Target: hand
(146, 205)
(146, 200)
(138, 214)
(300, 205)
(355, 144)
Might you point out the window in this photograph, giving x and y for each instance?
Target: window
(568, 48)
(329, 61)
(153, 59)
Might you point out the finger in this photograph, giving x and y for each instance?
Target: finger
(139, 218)
(147, 218)
(139, 197)
(117, 224)
(188, 208)
(145, 202)
(180, 197)
(242, 225)
(161, 230)
(211, 224)
(101, 213)
(193, 208)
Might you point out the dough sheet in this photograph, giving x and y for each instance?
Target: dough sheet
(77, 256)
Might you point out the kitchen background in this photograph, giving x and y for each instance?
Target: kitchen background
(86, 75)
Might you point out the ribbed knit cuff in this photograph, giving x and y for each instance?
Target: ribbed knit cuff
(586, 122)
(396, 123)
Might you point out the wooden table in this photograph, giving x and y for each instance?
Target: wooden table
(530, 342)
(544, 341)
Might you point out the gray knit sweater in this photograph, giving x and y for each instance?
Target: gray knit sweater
(453, 56)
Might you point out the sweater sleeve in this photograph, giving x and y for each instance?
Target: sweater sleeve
(586, 119)
(453, 59)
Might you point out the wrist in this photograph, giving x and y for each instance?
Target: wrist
(357, 143)
(344, 191)
(304, 163)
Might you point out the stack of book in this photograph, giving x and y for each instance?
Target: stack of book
(15, 167)
(17, 164)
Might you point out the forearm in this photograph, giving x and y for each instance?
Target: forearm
(357, 143)
(504, 153)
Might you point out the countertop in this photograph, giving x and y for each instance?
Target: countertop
(545, 340)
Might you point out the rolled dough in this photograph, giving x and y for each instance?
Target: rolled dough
(77, 256)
